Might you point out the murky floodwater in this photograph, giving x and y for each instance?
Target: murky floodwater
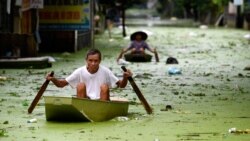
(210, 96)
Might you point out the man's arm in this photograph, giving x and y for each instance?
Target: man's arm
(123, 51)
(152, 50)
(58, 82)
(123, 83)
(126, 49)
(146, 46)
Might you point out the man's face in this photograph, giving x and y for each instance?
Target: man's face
(93, 62)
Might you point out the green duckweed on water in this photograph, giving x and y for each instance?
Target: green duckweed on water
(209, 97)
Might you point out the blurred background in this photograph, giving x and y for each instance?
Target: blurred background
(28, 27)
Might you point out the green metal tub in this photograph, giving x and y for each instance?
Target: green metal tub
(79, 109)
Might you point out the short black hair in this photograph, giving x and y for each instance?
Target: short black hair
(93, 51)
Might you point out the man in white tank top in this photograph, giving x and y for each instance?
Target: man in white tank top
(92, 80)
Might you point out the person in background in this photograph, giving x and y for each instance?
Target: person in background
(138, 44)
(112, 18)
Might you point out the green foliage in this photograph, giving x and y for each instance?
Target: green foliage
(208, 4)
(202, 6)
(221, 2)
(126, 3)
(246, 6)
(3, 133)
(25, 103)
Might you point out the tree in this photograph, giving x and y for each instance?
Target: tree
(204, 11)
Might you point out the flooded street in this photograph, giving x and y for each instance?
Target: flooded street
(210, 96)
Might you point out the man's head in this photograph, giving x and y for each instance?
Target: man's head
(93, 51)
(93, 59)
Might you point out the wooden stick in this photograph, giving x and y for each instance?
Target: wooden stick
(120, 56)
(39, 94)
(156, 56)
(138, 93)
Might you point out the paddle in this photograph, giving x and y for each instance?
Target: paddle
(120, 56)
(138, 93)
(156, 56)
(39, 94)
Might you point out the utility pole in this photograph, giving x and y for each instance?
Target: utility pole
(92, 26)
(239, 16)
(123, 18)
